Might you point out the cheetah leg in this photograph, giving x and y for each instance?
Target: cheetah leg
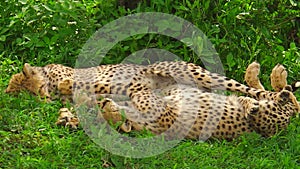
(67, 118)
(114, 113)
(110, 110)
(278, 78)
(279, 82)
(251, 76)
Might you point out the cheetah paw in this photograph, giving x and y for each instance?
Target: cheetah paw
(109, 111)
(278, 77)
(66, 118)
(126, 126)
(251, 76)
(107, 105)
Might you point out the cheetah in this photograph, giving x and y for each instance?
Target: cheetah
(216, 116)
(54, 80)
(185, 106)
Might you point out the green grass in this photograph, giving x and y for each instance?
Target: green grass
(40, 33)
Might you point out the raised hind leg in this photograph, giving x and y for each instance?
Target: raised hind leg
(278, 78)
(251, 76)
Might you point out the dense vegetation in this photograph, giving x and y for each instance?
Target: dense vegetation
(43, 32)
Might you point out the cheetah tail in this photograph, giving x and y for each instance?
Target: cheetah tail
(295, 86)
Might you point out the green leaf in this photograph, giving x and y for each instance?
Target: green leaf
(187, 41)
(294, 3)
(40, 44)
(23, 2)
(206, 4)
(280, 48)
(46, 40)
(293, 46)
(48, 8)
(4, 30)
(230, 61)
(2, 38)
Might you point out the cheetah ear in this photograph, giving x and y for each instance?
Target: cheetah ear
(289, 88)
(285, 96)
(27, 70)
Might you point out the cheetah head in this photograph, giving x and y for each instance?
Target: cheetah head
(273, 116)
(29, 79)
(287, 99)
